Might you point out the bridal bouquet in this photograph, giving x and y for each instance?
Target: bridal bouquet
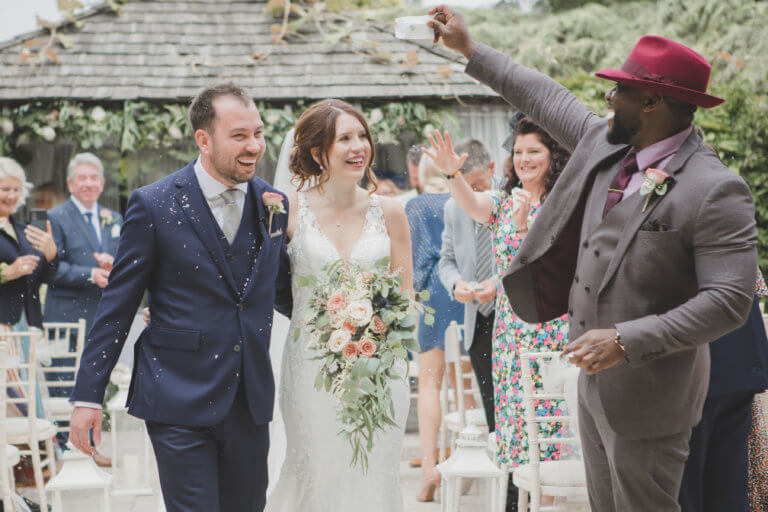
(360, 324)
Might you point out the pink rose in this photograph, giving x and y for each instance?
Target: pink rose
(656, 175)
(367, 348)
(379, 327)
(337, 302)
(273, 202)
(350, 350)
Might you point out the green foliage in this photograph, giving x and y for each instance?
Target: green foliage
(135, 125)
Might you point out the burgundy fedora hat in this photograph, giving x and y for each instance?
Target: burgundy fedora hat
(664, 66)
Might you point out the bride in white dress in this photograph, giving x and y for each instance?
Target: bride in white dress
(332, 220)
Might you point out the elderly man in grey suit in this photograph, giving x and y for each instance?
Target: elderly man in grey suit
(465, 259)
(647, 241)
(87, 235)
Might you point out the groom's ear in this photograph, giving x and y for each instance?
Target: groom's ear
(203, 139)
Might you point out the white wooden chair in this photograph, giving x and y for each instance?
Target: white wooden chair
(565, 480)
(10, 455)
(454, 421)
(28, 430)
(55, 343)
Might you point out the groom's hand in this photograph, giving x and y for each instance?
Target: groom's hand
(83, 420)
(451, 27)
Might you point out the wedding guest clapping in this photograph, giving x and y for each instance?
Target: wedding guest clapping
(88, 234)
(425, 217)
(509, 212)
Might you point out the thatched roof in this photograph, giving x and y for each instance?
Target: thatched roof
(168, 50)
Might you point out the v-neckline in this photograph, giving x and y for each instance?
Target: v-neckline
(319, 228)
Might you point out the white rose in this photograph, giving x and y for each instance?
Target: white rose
(98, 114)
(175, 132)
(337, 321)
(338, 339)
(360, 312)
(7, 126)
(376, 115)
(429, 130)
(48, 134)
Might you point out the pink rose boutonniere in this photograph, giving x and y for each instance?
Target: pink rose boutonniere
(655, 181)
(274, 204)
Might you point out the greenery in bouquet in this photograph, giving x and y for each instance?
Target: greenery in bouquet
(361, 324)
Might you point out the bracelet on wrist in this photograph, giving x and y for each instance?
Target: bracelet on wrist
(451, 176)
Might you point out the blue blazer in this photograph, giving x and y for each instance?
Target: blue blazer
(740, 358)
(208, 333)
(72, 296)
(23, 294)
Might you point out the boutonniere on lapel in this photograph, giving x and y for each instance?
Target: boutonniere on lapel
(655, 182)
(273, 202)
(107, 219)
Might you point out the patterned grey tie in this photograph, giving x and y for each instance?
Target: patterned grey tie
(484, 263)
(231, 214)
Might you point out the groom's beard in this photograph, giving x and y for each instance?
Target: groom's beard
(623, 129)
(228, 167)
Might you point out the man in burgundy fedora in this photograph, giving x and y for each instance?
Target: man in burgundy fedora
(647, 241)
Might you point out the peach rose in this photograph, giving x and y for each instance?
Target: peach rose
(656, 175)
(367, 348)
(272, 200)
(339, 339)
(350, 350)
(379, 327)
(337, 302)
(337, 321)
(349, 327)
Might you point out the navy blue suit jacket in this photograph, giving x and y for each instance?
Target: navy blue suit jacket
(23, 294)
(72, 295)
(207, 333)
(740, 358)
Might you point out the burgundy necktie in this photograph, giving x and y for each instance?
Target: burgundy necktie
(620, 182)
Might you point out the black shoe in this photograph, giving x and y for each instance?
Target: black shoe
(33, 507)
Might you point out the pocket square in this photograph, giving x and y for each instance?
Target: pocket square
(654, 225)
(276, 233)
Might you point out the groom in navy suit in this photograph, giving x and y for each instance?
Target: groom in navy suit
(200, 242)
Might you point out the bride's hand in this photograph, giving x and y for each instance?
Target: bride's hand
(443, 155)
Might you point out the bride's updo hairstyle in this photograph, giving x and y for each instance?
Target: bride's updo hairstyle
(317, 129)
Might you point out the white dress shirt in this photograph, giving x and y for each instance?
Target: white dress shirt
(212, 190)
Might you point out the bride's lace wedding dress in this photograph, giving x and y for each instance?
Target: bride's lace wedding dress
(316, 475)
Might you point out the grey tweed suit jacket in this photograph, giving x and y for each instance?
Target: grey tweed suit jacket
(669, 292)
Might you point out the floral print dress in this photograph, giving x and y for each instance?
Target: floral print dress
(511, 335)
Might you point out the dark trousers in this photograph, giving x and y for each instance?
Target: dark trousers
(221, 468)
(480, 355)
(715, 477)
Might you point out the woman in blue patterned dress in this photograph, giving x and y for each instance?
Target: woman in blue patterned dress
(425, 217)
(537, 161)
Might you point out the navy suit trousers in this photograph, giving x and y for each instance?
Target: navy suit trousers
(221, 468)
(715, 477)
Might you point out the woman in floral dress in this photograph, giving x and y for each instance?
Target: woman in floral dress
(509, 212)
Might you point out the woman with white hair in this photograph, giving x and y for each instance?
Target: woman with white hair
(425, 217)
(27, 254)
